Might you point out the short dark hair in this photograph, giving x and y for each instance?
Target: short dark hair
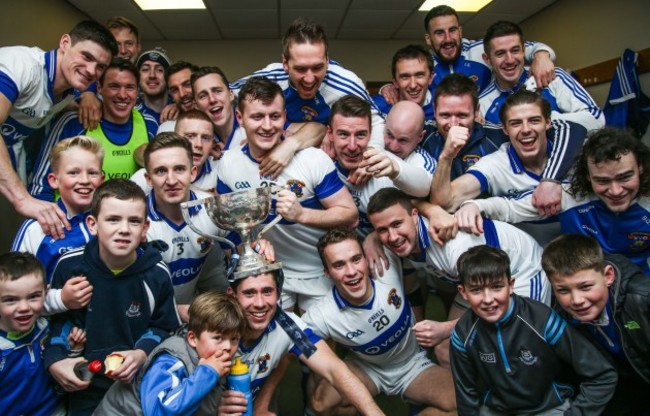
(412, 51)
(303, 30)
(94, 32)
(278, 277)
(608, 144)
(121, 64)
(177, 67)
(499, 29)
(15, 264)
(442, 10)
(121, 22)
(386, 198)
(523, 96)
(351, 106)
(483, 265)
(166, 140)
(216, 312)
(456, 85)
(118, 188)
(571, 253)
(336, 235)
(258, 88)
(205, 70)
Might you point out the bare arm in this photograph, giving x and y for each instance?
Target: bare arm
(339, 210)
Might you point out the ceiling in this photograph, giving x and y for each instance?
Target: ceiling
(267, 19)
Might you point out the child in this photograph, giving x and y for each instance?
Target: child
(25, 386)
(516, 347)
(76, 173)
(606, 297)
(132, 308)
(180, 376)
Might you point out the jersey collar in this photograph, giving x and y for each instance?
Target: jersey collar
(156, 215)
(517, 165)
(342, 303)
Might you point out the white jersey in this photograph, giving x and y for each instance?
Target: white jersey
(205, 180)
(524, 252)
(187, 250)
(168, 126)
(311, 175)
(337, 83)
(267, 351)
(379, 331)
(27, 76)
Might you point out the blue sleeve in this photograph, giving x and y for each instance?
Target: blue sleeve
(164, 318)
(167, 389)
(567, 140)
(382, 104)
(330, 185)
(151, 123)
(8, 87)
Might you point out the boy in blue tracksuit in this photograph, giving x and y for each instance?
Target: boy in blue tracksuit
(517, 347)
(132, 308)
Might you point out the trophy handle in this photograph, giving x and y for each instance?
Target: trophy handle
(278, 217)
(185, 206)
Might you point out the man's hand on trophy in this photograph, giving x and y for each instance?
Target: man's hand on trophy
(288, 206)
(265, 248)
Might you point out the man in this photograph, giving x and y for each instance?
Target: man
(607, 199)
(121, 131)
(271, 335)
(372, 319)
(310, 81)
(152, 66)
(127, 36)
(309, 181)
(179, 86)
(504, 53)
(36, 85)
(517, 166)
(412, 70)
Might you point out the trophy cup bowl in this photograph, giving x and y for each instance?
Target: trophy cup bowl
(238, 211)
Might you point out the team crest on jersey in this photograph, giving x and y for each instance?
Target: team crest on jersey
(394, 299)
(488, 357)
(263, 363)
(133, 311)
(474, 78)
(308, 113)
(296, 186)
(469, 161)
(527, 357)
(204, 244)
(639, 240)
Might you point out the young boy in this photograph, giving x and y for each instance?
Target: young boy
(180, 376)
(606, 297)
(25, 386)
(76, 173)
(516, 347)
(132, 308)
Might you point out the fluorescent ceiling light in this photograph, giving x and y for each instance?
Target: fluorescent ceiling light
(170, 4)
(458, 5)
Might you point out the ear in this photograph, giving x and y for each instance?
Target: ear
(148, 179)
(52, 181)
(238, 114)
(65, 43)
(415, 214)
(610, 275)
(329, 133)
(145, 227)
(511, 285)
(486, 59)
(461, 290)
(285, 63)
(427, 40)
(194, 171)
(192, 339)
(422, 136)
(91, 223)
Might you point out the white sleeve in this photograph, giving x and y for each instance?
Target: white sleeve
(508, 209)
(533, 47)
(413, 180)
(574, 102)
(53, 302)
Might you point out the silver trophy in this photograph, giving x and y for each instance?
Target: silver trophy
(240, 212)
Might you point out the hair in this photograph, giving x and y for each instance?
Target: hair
(412, 51)
(483, 265)
(121, 22)
(86, 143)
(94, 32)
(571, 253)
(166, 140)
(178, 66)
(609, 144)
(206, 70)
(277, 278)
(216, 312)
(442, 10)
(193, 114)
(122, 189)
(121, 64)
(303, 30)
(351, 106)
(336, 235)
(499, 29)
(258, 88)
(523, 96)
(457, 85)
(15, 264)
(386, 198)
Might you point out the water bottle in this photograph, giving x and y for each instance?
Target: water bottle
(85, 370)
(240, 380)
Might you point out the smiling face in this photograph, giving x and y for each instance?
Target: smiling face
(258, 296)
(412, 79)
(526, 127)
(506, 57)
(347, 267)
(214, 98)
(200, 134)
(397, 230)
(21, 302)
(83, 63)
(127, 43)
(119, 91)
(180, 88)
(152, 79)
(78, 174)
(170, 174)
(444, 37)
(490, 301)
(263, 124)
(349, 137)
(454, 110)
(583, 294)
(306, 66)
(208, 343)
(616, 182)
